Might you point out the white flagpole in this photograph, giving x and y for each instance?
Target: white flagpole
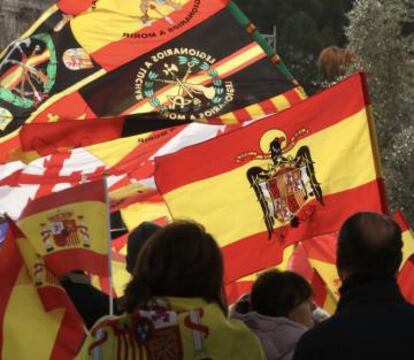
(108, 237)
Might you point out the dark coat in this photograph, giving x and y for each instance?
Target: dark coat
(91, 303)
(373, 321)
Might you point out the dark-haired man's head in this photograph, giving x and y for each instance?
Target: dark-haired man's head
(369, 243)
(283, 294)
(136, 240)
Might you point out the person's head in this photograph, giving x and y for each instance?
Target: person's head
(283, 294)
(180, 260)
(369, 243)
(136, 240)
(334, 61)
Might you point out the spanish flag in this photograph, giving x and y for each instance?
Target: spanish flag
(37, 319)
(279, 180)
(69, 229)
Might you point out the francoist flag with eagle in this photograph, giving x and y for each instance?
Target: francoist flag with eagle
(279, 180)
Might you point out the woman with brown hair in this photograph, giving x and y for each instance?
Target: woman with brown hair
(175, 304)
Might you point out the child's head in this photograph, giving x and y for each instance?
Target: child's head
(276, 293)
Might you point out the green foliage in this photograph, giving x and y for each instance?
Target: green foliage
(379, 34)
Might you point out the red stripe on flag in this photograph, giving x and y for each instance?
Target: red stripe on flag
(10, 150)
(62, 262)
(93, 191)
(399, 217)
(328, 106)
(242, 115)
(405, 280)
(120, 242)
(320, 292)
(322, 248)
(325, 219)
(47, 138)
(10, 265)
(237, 289)
(292, 96)
(268, 107)
(71, 332)
(120, 52)
(299, 263)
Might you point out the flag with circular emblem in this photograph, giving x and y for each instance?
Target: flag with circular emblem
(195, 60)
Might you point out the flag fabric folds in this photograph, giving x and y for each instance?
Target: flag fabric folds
(41, 139)
(69, 229)
(160, 59)
(279, 180)
(127, 162)
(34, 306)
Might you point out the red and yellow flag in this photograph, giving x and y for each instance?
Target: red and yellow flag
(323, 295)
(407, 236)
(194, 60)
(37, 319)
(405, 277)
(240, 287)
(280, 180)
(69, 229)
(321, 253)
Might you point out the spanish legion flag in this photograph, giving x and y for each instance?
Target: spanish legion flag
(197, 60)
(279, 180)
(37, 319)
(69, 229)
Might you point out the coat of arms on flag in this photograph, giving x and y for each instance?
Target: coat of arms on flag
(69, 228)
(65, 230)
(287, 183)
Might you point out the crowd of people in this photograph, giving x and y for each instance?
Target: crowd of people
(174, 306)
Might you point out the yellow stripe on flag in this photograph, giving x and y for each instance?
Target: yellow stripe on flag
(112, 152)
(408, 245)
(283, 266)
(333, 152)
(123, 17)
(30, 331)
(229, 119)
(136, 214)
(255, 111)
(281, 102)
